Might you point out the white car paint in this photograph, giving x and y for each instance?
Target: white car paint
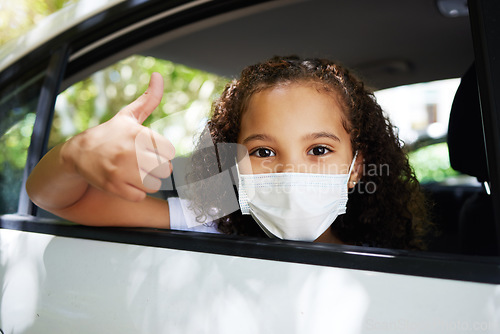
(56, 284)
(50, 27)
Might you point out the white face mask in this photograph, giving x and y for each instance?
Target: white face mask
(294, 206)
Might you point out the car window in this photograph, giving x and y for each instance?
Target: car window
(421, 112)
(180, 117)
(188, 94)
(420, 117)
(18, 103)
(431, 163)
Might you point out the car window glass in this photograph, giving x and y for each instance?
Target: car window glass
(421, 112)
(18, 104)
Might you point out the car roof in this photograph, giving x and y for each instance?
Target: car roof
(51, 27)
(388, 42)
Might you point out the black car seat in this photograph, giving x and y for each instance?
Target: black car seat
(477, 233)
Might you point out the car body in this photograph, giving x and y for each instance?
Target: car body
(60, 277)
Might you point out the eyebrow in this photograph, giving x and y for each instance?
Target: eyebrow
(322, 134)
(315, 135)
(258, 136)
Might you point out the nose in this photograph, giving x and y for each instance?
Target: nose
(284, 168)
(290, 165)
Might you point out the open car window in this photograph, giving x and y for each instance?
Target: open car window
(186, 103)
(181, 117)
(93, 97)
(421, 114)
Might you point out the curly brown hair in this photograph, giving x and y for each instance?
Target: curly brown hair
(385, 209)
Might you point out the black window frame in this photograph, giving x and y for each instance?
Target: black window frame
(486, 35)
(423, 264)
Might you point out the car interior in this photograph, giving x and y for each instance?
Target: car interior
(432, 41)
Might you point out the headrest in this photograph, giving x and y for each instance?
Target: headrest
(465, 130)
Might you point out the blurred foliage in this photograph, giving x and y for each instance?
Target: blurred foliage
(187, 99)
(19, 16)
(432, 163)
(15, 142)
(13, 152)
(181, 115)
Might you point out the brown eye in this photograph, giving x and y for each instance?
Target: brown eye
(319, 150)
(263, 153)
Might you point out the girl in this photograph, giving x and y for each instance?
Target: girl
(312, 132)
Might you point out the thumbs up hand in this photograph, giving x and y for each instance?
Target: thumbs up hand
(117, 155)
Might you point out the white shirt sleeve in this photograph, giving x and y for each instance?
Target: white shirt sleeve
(182, 218)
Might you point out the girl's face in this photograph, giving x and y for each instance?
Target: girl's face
(295, 128)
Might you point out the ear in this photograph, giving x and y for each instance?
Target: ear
(357, 171)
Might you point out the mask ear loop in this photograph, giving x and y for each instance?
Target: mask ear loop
(352, 163)
(237, 177)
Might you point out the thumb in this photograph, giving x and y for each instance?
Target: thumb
(144, 105)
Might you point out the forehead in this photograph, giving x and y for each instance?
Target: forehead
(309, 96)
(321, 88)
(294, 108)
